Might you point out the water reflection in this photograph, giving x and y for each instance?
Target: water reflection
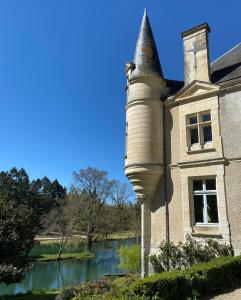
(70, 272)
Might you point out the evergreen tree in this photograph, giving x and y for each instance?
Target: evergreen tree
(47, 195)
(17, 224)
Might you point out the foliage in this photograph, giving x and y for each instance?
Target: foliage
(199, 280)
(104, 289)
(17, 224)
(47, 195)
(130, 258)
(184, 255)
(20, 213)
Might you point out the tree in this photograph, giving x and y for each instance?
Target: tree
(122, 206)
(17, 224)
(63, 220)
(47, 195)
(130, 258)
(96, 190)
(136, 218)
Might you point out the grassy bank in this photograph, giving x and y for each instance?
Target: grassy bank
(53, 257)
(128, 234)
(34, 295)
(48, 251)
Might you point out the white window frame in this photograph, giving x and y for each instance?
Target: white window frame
(204, 192)
(199, 125)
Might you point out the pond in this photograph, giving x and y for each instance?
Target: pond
(49, 275)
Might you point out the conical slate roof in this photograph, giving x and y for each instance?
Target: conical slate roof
(146, 58)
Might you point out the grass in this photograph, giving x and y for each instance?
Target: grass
(34, 295)
(128, 234)
(52, 257)
(48, 251)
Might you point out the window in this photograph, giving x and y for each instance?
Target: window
(199, 130)
(205, 202)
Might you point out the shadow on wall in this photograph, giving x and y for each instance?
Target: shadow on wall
(165, 189)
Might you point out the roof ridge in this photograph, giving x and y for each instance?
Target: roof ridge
(225, 53)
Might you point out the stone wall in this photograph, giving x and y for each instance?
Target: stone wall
(230, 119)
(173, 186)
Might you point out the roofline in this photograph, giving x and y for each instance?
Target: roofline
(225, 53)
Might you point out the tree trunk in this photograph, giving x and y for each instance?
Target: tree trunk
(89, 242)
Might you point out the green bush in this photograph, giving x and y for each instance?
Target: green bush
(105, 289)
(199, 280)
(184, 255)
(130, 258)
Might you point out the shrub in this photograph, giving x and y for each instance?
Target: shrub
(199, 280)
(130, 258)
(184, 255)
(66, 294)
(104, 289)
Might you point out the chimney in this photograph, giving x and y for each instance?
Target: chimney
(196, 54)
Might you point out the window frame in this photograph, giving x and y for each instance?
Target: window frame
(199, 125)
(204, 193)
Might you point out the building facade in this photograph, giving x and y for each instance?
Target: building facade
(183, 143)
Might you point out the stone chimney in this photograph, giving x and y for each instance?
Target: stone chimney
(196, 54)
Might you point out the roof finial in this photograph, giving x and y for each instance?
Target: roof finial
(145, 11)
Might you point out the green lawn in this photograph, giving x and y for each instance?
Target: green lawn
(48, 250)
(34, 295)
(74, 255)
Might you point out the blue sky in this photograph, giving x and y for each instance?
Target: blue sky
(62, 75)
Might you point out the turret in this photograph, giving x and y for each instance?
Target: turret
(144, 122)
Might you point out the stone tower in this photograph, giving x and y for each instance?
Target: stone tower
(144, 126)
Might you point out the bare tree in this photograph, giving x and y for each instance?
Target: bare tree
(96, 190)
(121, 194)
(63, 220)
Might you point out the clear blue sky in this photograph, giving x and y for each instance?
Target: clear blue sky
(62, 75)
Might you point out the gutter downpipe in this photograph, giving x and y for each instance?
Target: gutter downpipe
(165, 182)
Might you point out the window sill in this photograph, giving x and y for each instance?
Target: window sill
(207, 235)
(200, 150)
(207, 231)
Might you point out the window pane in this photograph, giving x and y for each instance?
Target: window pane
(197, 185)
(212, 209)
(193, 120)
(211, 184)
(198, 208)
(206, 117)
(207, 134)
(194, 136)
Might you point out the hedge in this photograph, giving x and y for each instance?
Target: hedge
(201, 279)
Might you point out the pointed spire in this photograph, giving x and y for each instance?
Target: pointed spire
(146, 58)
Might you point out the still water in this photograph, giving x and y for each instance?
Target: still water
(43, 275)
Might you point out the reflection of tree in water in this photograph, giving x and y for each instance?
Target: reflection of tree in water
(70, 272)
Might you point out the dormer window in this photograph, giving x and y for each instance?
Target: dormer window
(199, 130)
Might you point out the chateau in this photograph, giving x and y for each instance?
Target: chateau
(183, 143)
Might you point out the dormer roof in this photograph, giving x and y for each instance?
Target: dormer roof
(228, 66)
